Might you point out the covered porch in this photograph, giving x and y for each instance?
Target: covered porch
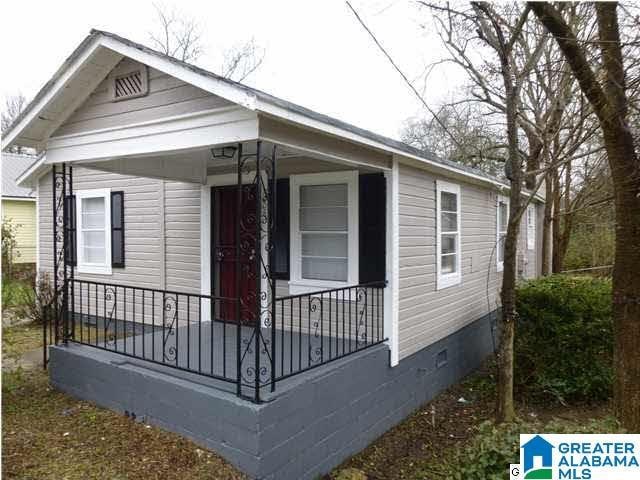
(278, 298)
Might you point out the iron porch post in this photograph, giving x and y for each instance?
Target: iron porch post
(272, 281)
(258, 260)
(238, 273)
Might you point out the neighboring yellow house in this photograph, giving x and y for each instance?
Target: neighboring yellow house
(19, 205)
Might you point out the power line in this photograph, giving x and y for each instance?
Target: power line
(404, 77)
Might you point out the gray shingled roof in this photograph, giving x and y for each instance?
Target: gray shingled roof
(13, 165)
(292, 107)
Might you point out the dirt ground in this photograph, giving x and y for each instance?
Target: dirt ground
(424, 441)
(49, 435)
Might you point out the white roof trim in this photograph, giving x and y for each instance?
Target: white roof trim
(239, 96)
(62, 76)
(210, 84)
(36, 169)
(225, 89)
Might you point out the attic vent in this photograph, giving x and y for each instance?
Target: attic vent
(132, 85)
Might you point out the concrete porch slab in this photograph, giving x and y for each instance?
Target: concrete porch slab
(313, 421)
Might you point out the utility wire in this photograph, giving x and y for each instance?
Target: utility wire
(404, 77)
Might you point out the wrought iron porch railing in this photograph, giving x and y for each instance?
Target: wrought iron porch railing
(174, 329)
(319, 327)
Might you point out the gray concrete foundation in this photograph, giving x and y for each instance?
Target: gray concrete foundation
(312, 423)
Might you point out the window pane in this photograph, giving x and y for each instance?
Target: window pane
(503, 216)
(324, 195)
(449, 222)
(449, 202)
(324, 208)
(93, 212)
(94, 255)
(448, 263)
(333, 269)
(501, 248)
(448, 244)
(94, 248)
(321, 245)
(93, 239)
(324, 218)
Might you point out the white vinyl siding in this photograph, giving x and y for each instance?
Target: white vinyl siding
(448, 221)
(324, 230)
(159, 253)
(426, 314)
(93, 220)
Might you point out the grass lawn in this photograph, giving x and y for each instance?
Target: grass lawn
(49, 435)
(19, 339)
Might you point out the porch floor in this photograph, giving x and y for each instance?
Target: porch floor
(209, 351)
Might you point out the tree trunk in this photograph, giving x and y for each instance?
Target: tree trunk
(505, 410)
(626, 282)
(625, 172)
(556, 262)
(546, 226)
(610, 104)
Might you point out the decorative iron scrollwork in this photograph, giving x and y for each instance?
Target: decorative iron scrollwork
(169, 323)
(361, 326)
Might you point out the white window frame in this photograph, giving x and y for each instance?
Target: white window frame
(83, 266)
(445, 280)
(297, 284)
(531, 226)
(500, 199)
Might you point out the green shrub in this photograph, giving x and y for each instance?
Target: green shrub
(564, 339)
(489, 454)
(13, 292)
(494, 447)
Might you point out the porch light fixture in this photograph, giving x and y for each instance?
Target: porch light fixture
(223, 152)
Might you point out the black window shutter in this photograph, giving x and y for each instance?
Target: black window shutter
(372, 227)
(70, 253)
(280, 268)
(117, 229)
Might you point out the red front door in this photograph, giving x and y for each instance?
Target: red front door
(225, 215)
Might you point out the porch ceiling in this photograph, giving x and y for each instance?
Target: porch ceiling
(195, 165)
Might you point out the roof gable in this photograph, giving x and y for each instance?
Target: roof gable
(162, 96)
(101, 51)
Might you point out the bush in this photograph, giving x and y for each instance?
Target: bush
(33, 305)
(13, 292)
(564, 339)
(9, 245)
(494, 447)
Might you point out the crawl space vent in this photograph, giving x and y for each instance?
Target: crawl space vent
(131, 85)
(441, 358)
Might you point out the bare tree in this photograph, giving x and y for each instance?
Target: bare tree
(13, 106)
(607, 94)
(242, 60)
(478, 144)
(486, 42)
(177, 34)
(180, 36)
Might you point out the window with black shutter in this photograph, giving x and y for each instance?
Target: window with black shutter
(280, 269)
(372, 227)
(117, 229)
(70, 252)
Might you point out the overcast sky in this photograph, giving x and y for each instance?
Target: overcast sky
(317, 54)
